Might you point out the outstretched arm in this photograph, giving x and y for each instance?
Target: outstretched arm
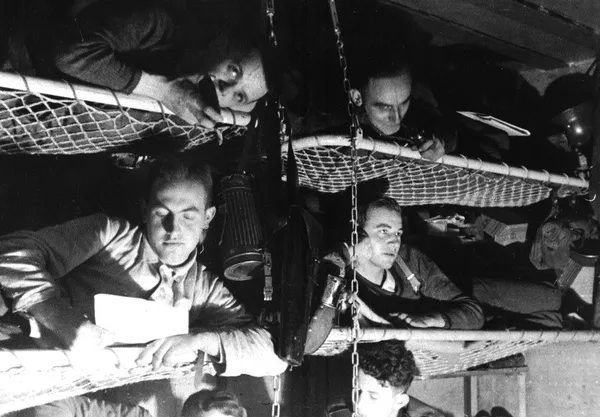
(94, 51)
(32, 262)
(97, 53)
(457, 310)
(224, 331)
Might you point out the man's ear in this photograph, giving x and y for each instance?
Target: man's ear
(356, 97)
(210, 214)
(401, 400)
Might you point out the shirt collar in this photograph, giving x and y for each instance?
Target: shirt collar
(178, 272)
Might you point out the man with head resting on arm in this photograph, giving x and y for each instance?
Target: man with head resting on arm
(398, 284)
(53, 274)
(148, 49)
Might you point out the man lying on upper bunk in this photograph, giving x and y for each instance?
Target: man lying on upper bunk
(53, 274)
(398, 284)
(390, 104)
(147, 49)
(383, 91)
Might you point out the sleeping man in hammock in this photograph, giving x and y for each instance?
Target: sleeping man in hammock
(398, 284)
(146, 49)
(53, 274)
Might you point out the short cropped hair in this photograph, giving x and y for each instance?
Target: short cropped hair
(388, 362)
(239, 47)
(381, 202)
(379, 62)
(223, 401)
(179, 167)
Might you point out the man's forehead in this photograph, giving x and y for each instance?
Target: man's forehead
(389, 88)
(179, 188)
(370, 383)
(377, 214)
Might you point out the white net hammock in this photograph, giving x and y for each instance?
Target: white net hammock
(33, 377)
(324, 164)
(39, 116)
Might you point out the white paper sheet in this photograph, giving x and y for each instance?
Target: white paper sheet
(509, 128)
(134, 320)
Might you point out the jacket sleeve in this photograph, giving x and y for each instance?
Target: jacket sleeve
(245, 347)
(92, 52)
(459, 310)
(417, 408)
(31, 262)
(84, 407)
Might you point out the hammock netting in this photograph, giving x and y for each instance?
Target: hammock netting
(324, 164)
(33, 123)
(33, 377)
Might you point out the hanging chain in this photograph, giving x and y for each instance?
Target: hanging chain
(356, 131)
(270, 10)
(276, 407)
(355, 134)
(273, 39)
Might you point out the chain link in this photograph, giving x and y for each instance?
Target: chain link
(276, 406)
(355, 130)
(355, 134)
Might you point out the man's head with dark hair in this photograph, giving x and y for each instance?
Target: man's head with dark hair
(382, 82)
(381, 202)
(386, 370)
(243, 69)
(177, 209)
(213, 404)
(381, 222)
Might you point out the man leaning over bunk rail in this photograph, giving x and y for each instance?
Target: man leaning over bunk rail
(398, 284)
(53, 274)
(164, 53)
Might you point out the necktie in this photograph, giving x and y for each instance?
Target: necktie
(170, 291)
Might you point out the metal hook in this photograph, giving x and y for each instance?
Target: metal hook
(587, 199)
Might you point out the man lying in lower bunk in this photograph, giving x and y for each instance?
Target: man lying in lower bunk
(400, 286)
(53, 275)
(199, 404)
(385, 372)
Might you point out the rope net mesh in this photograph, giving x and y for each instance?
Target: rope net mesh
(413, 181)
(34, 123)
(24, 382)
(440, 352)
(434, 363)
(33, 377)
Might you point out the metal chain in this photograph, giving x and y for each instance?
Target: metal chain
(355, 134)
(273, 39)
(276, 407)
(355, 131)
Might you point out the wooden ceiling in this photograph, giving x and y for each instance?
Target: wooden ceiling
(544, 34)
